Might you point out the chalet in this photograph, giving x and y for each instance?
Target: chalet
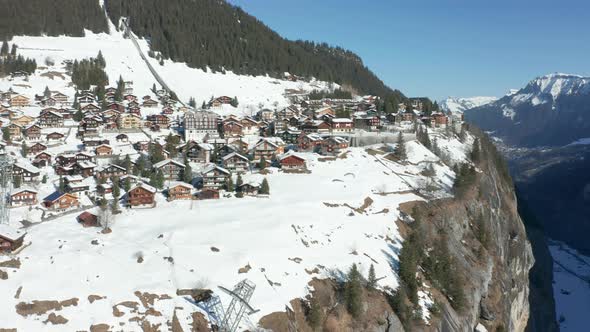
(104, 189)
(54, 136)
(171, 169)
(88, 219)
(308, 142)
(198, 124)
(92, 108)
(289, 136)
(110, 171)
(333, 145)
(266, 115)
(60, 97)
(19, 101)
(141, 195)
(65, 159)
(180, 191)
(42, 159)
(292, 162)
(60, 201)
(214, 177)
(77, 188)
(207, 193)
(248, 189)
(26, 171)
(103, 150)
(341, 125)
(37, 148)
(235, 163)
(94, 142)
(129, 121)
(49, 101)
(141, 146)
(220, 101)
(197, 152)
(408, 115)
(267, 148)
(325, 111)
(23, 197)
(131, 179)
(167, 110)
(10, 238)
(130, 97)
(159, 121)
(86, 99)
(439, 119)
(232, 129)
(15, 131)
(84, 168)
(240, 146)
(366, 122)
(250, 126)
(23, 120)
(32, 132)
(84, 156)
(149, 103)
(122, 138)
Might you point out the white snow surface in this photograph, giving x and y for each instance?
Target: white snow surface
(122, 59)
(269, 234)
(571, 287)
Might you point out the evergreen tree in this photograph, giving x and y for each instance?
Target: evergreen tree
(127, 164)
(264, 188)
(159, 179)
(6, 134)
(116, 190)
(44, 178)
(239, 183)
(372, 279)
(78, 116)
(4, 49)
(475, 153)
(187, 174)
(400, 148)
(234, 102)
(100, 60)
(192, 102)
(262, 163)
(62, 185)
(16, 181)
(115, 206)
(315, 315)
(120, 89)
(24, 150)
(204, 105)
(46, 92)
(154, 88)
(229, 184)
(353, 292)
(13, 49)
(127, 184)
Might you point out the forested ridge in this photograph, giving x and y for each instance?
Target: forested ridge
(50, 17)
(202, 33)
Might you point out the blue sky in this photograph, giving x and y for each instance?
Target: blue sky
(443, 48)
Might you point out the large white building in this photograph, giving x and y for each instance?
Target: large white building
(198, 124)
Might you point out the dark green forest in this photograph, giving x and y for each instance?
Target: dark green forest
(50, 17)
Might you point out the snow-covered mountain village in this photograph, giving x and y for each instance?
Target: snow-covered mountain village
(125, 200)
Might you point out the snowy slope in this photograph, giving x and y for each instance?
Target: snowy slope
(124, 60)
(283, 239)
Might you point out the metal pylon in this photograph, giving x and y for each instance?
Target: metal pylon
(239, 306)
(5, 187)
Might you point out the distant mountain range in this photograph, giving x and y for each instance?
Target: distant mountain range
(459, 105)
(551, 110)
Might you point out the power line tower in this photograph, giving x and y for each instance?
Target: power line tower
(228, 319)
(5, 187)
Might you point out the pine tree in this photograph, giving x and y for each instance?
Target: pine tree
(13, 50)
(16, 181)
(229, 184)
(6, 134)
(187, 174)
(128, 164)
(120, 89)
(264, 188)
(159, 179)
(127, 184)
(234, 102)
(116, 189)
(46, 92)
(78, 116)
(239, 183)
(100, 60)
(4, 49)
(372, 279)
(400, 148)
(353, 292)
(115, 206)
(192, 102)
(44, 178)
(315, 315)
(24, 150)
(262, 163)
(62, 185)
(475, 153)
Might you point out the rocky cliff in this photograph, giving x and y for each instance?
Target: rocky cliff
(490, 254)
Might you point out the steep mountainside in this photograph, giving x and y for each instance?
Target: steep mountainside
(551, 110)
(215, 34)
(459, 105)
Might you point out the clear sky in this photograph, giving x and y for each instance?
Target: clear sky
(443, 48)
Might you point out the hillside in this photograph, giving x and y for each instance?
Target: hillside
(551, 110)
(456, 105)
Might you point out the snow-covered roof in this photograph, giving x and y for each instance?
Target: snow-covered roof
(212, 167)
(26, 166)
(291, 153)
(167, 161)
(145, 186)
(10, 233)
(234, 154)
(23, 189)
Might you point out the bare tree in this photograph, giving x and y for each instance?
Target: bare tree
(105, 219)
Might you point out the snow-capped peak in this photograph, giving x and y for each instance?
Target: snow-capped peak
(459, 105)
(558, 84)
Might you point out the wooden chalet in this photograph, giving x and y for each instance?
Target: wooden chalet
(232, 129)
(103, 150)
(334, 145)
(309, 142)
(141, 195)
(85, 168)
(122, 138)
(88, 219)
(110, 171)
(172, 169)
(214, 177)
(42, 159)
(54, 136)
(60, 201)
(207, 193)
(197, 152)
(10, 238)
(180, 191)
(220, 101)
(149, 103)
(250, 126)
(26, 171)
(235, 163)
(51, 119)
(267, 148)
(248, 189)
(19, 101)
(292, 162)
(16, 131)
(23, 197)
(37, 148)
(32, 132)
